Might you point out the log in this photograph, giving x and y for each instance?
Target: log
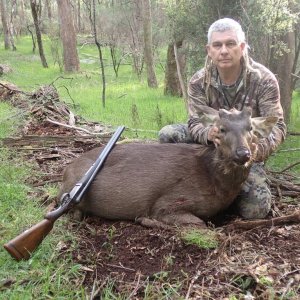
(53, 140)
(246, 225)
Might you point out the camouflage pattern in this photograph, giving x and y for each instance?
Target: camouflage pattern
(254, 201)
(175, 133)
(258, 88)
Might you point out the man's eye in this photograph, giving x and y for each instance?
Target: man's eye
(217, 46)
(230, 44)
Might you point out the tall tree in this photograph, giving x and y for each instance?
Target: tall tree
(68, 36)
(282, 66)
(91, 6)
(174, 85)
(34, 10)
(4, 24)
(148, 45)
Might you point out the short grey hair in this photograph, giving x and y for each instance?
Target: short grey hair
(226, 24)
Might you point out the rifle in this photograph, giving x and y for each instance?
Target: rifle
(24, 244)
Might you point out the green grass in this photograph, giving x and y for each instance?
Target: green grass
(45, 274)
(289, 152)
(129, 101)
(204, 239)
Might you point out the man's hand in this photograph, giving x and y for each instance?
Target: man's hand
(213, 135)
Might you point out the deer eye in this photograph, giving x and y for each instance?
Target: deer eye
(222, 130)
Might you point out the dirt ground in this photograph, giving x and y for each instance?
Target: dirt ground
(147, 263)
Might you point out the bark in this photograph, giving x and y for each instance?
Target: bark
(4, 25)
(49, 9)
(78, 16)
(283, 68)
(68, 36)
(172, 82)
(148, 45)
(92, 16)
(11, 27)
(34, 11)
(180, 78)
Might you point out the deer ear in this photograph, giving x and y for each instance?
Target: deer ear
(262, 126)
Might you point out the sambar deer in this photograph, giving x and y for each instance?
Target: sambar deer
(180, 184)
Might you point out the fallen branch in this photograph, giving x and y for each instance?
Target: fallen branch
(294, 133)
(292, 218)
(284, 184)
(76, 128)
(289, 150)
(290, 166)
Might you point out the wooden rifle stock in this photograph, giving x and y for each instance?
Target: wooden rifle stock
(24, 244)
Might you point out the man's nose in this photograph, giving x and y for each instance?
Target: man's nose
(224, 48)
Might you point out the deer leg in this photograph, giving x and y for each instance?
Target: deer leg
(152, 223)
(167, 221)
(183, 219)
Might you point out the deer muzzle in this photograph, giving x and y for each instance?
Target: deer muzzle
(242, 155)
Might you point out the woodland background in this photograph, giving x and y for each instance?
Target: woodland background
(145, 34)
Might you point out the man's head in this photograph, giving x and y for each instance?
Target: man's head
(226, 24)
(226, 43)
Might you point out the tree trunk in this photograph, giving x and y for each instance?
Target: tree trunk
(148, 46)
(4, 25)
(34, 10)
(68, 36)
(180, 77)
(172, 82)
(283, 67)
(49, 10)
(92, 16)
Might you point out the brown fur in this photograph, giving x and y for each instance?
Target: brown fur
(168, 183)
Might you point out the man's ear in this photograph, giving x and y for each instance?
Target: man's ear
(243, 46)
(207, 47)
(262, 126)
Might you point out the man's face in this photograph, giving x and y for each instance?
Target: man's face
(224, 49)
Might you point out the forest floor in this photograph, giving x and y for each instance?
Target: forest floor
(257, 263)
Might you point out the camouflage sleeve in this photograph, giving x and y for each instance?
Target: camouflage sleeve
(197, 97)
(269, 105)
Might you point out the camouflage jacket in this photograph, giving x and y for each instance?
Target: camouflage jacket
(259, 90)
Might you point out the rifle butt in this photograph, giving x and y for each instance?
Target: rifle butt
(24, 244)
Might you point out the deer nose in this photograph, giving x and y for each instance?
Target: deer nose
(242, 155)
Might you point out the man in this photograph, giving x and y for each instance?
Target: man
(230, 79)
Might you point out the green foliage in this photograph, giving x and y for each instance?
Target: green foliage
(8, 121)
(205, 238)
(45, 274)
(288, 152)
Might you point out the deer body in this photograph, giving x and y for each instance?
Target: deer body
(169, 183)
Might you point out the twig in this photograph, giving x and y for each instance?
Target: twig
(289, 150)
(120, 267)
(74, 127)
(136, 287)
(292, 218)
(294, 133)
(290, 166)
(187, 296)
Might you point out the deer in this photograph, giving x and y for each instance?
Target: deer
(179, 184)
